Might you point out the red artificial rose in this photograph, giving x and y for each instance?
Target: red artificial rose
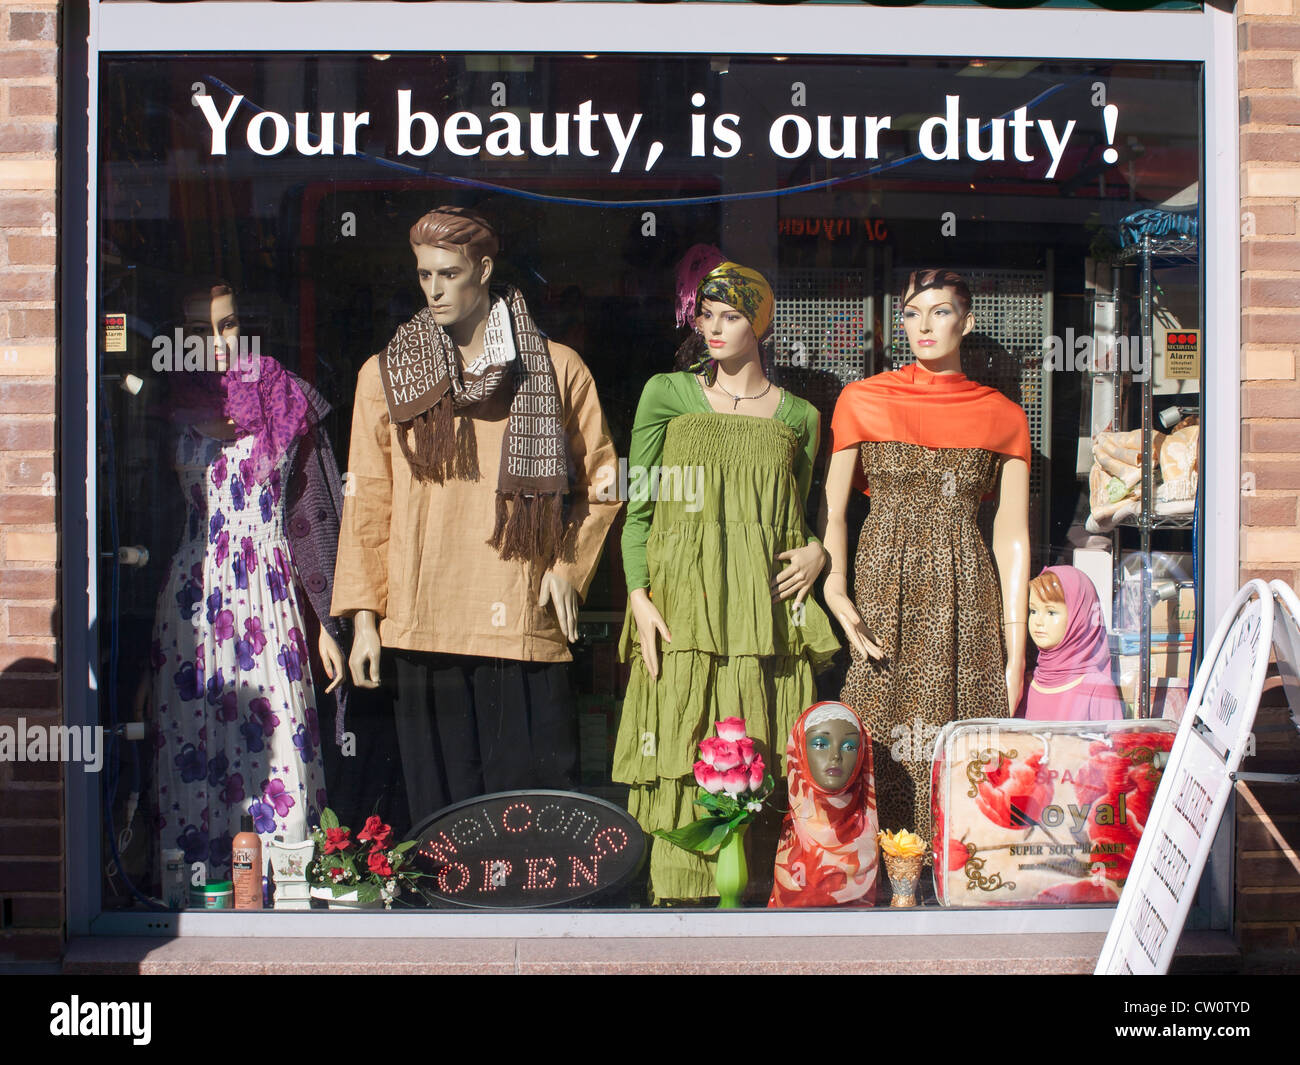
(708, 778)
(735, 780)
(378, 863)
(375, 829)
(337, 839)
(731, 729)
(1014, 793)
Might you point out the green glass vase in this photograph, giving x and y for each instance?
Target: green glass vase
(732, 873)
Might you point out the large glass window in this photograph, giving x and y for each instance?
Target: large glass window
(255, 254)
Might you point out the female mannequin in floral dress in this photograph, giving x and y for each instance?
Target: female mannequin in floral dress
(232, 684)
(937, 633)
(719, 566)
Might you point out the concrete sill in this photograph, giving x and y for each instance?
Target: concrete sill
(840, 955)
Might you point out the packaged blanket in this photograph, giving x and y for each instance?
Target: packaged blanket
(1042, 813)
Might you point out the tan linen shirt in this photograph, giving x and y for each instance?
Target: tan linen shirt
(416, 553)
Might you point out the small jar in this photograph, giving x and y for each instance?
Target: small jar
(215, 895)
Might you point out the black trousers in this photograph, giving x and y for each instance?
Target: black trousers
(365, 777)
(470, 726)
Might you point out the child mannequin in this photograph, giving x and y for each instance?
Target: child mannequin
(1072, 678)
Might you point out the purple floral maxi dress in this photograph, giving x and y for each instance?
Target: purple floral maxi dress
(235, 707)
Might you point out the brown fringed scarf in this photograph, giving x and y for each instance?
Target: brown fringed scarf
(424, 385)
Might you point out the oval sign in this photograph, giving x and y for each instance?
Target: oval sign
(524, 849)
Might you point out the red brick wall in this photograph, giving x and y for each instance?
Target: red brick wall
(31, 794)
(1268, 815)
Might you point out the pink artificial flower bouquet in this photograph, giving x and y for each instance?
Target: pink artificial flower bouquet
(734, 783)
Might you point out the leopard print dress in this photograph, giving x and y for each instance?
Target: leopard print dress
(927, 590)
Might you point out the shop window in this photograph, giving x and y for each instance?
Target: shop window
(255, 254)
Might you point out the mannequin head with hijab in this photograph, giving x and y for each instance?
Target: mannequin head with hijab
(1049, 616)
(831, 746)
(1072, 676)
(242, 391)
(1065, 617)
(730, 307)
(827, 853)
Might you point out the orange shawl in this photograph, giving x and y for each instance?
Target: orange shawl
(915, 406)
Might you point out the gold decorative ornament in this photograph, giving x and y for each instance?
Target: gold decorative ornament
(975, 768)
(976, 879)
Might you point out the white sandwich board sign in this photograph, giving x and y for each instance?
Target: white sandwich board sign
(1286, 644)
(1194, 790)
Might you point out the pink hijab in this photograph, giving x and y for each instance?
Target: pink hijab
(1083, 649)
(698, 262)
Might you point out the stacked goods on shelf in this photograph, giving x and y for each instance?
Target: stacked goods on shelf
(1115, 481)
(1179, 469)
(1172, 625)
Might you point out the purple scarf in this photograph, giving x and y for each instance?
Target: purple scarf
(273, 408)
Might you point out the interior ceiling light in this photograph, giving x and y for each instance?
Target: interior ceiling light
(997, 68)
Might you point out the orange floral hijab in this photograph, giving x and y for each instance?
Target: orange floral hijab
(827, 855)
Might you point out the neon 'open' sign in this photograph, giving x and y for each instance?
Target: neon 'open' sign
(527, 849)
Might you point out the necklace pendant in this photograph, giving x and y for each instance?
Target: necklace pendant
(735, 402)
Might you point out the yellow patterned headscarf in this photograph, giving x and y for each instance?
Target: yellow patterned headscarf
(744, 289)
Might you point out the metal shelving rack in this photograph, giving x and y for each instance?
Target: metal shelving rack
(1152, 251)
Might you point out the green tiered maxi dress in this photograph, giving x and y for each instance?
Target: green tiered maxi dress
(730, 498)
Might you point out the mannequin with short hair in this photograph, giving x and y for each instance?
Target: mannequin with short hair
(474, 526)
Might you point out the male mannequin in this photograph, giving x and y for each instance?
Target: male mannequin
(471, 527)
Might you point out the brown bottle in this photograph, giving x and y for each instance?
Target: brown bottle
(246, 866)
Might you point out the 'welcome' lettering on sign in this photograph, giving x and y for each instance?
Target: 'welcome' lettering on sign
(527, 849)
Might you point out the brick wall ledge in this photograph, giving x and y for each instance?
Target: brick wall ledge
(837, 955)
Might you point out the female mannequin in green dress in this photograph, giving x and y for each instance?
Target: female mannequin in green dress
(719, 563)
